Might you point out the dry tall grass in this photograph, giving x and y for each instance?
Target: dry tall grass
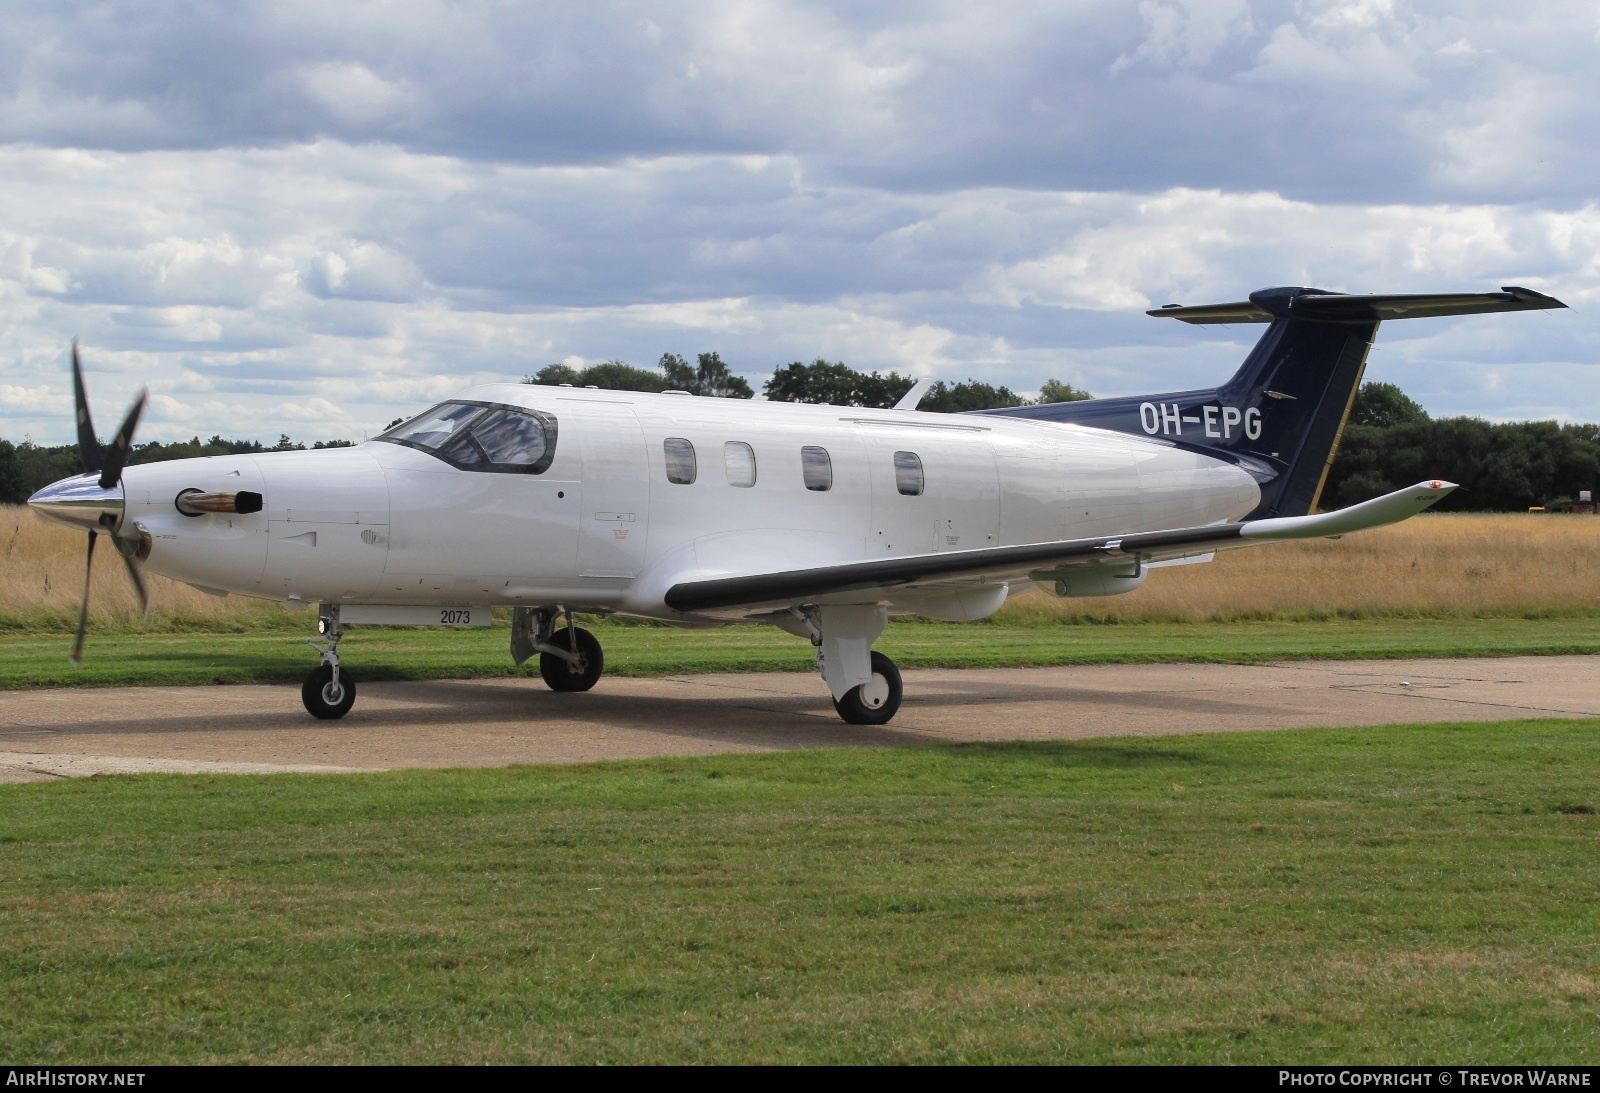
(41, 585)
(1433, 565)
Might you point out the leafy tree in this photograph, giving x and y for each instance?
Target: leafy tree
(618, 376)
(554, 375)
(284, 444)
(836, 384)
(39, 465)
(10, 475)
(1500, 468)
(1384, 405)
(1056, 391)
(710, 377)
(946, 398)
(608, 376)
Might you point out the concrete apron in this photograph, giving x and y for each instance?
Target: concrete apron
(483, 723)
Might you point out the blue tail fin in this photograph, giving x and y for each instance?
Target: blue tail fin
(1282, 414)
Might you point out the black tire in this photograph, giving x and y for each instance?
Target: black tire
(562, 676)
(321, 699)
(857, 709)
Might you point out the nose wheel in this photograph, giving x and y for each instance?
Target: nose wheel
(329, 691)
(876, 701)
(325, 697)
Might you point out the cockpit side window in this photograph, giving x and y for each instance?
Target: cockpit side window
(512, 438)
(477, 436)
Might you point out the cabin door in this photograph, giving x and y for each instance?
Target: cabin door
(616, 490)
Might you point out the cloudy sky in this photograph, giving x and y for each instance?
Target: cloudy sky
(314, 217)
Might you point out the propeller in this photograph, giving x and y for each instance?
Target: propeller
(109, 463)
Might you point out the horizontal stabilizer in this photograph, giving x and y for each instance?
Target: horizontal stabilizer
(1335, 307)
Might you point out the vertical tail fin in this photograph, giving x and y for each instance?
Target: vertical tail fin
(1283, 413)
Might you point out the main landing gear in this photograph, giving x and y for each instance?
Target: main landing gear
(329, 691)
(865, 685)
(876, 701)
(569, 660)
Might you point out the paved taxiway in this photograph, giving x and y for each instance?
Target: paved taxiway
(77, 732)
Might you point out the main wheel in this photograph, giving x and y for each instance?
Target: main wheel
(325, 699)
(562, 676)
(876, 701)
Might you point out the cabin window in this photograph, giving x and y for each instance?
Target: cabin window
(477, 436)
(816, 468)
(681, 468)
(908, 473)
(740, 460)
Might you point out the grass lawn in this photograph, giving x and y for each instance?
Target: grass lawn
(40, 660)
(1397, 895)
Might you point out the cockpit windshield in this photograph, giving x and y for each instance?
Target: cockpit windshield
(479, 436)
(434, 429)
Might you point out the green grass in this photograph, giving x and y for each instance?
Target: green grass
(40, 660)
(1424, 894)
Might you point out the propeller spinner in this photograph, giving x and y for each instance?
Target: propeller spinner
(94, 500)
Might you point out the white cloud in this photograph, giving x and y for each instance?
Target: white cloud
(354, 96)
(1238, 94)
(1186, 34)
(327, 216)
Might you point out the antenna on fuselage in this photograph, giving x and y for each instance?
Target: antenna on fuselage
(909, 400)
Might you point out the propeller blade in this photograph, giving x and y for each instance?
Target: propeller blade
(117, 455)
(83, 615)
(88, 443)
(129, 551)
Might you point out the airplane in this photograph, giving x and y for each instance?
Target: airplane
(821, 520)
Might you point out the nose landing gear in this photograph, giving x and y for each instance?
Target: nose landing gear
(328, 692)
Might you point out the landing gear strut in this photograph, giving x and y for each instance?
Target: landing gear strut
(569, 660)
(328, 692)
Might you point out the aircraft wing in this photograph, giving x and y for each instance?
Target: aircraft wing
(797, 586)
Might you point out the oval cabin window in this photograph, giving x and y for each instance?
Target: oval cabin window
(816, 468)
(740, 460)
(680, 460)
(908, 473)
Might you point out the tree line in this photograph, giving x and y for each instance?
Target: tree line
(1389, 442)
(821, 381)
(26, 467)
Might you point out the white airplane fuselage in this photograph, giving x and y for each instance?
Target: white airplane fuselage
(822, 520)
(602, 527)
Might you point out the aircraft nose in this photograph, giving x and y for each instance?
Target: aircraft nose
(79, 502)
